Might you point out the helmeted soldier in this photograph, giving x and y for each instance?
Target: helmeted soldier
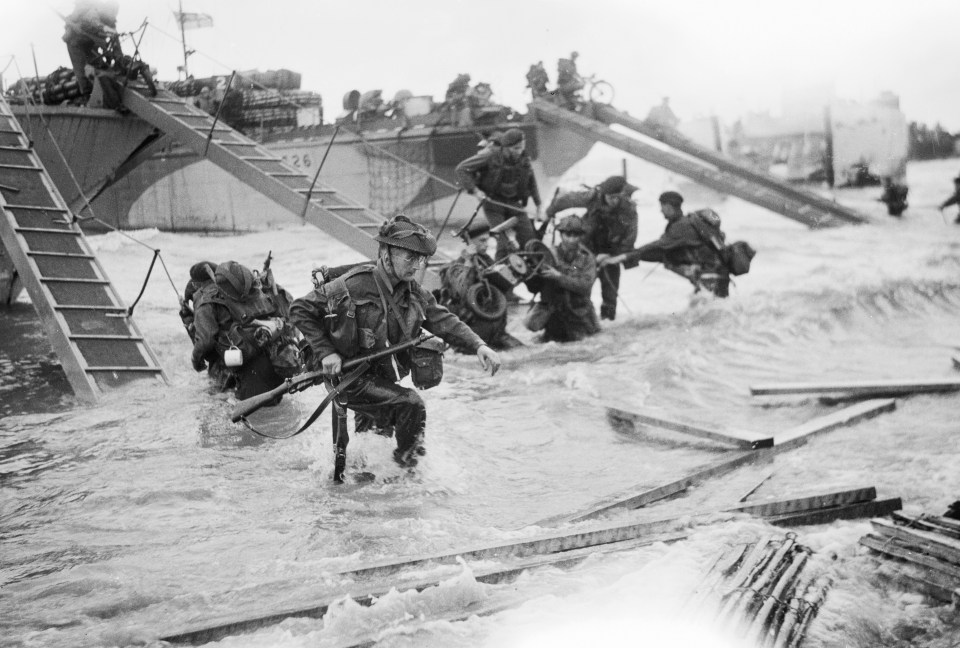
(569, 82)
(372, 307)
(201, 276)
(504, 175)
(610, 227)
(537, 80)
(565, 312)
(692, 245)
(240, 331)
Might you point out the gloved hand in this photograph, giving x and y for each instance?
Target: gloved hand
(198, 364)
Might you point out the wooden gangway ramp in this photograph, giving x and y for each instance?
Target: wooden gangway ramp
(698, 163)
(88, 325)
(320, 205)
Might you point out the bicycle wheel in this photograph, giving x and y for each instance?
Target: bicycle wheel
(601, 92)
(486, 301)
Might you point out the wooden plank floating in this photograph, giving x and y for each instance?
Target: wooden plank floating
(367, 595)
(643, 495)
(861, 388)
(847, 512)
(812, 502)
(739, 438)
(847, 416)
(933, 544)
(924, 580)
(937, 524)
(906, 551)
(542, 544)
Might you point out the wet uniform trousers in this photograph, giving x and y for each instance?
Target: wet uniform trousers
(376, 393)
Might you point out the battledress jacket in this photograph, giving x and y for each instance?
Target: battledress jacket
(609, 230)
(323, 317)
(502, 180)
(568, 296)
(681, 244)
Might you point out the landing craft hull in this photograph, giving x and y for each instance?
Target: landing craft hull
(175, 190)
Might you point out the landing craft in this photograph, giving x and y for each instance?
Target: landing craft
(391, 156)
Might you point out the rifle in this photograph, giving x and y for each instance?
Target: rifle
(267, 273)
(542, 230)
(311, 378)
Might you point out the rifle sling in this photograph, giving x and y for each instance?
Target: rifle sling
(345, 382)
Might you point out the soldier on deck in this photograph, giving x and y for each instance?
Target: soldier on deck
(569, 82)
(86, 30)
(537, 80)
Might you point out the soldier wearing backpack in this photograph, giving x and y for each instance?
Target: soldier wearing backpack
(243, 332)
(692, 245)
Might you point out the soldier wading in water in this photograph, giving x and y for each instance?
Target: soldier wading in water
(375, 306)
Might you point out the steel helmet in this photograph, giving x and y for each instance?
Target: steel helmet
(401, 232)
(201, 271)
(234, 280)
(571, 224)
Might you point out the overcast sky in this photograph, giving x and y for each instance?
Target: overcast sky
(725, 57)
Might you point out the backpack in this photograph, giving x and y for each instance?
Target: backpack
(735, 256)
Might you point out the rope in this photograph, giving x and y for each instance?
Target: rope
(156, 253)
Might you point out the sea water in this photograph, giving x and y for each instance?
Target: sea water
(150, 513)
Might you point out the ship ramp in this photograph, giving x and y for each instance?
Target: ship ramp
(90, 329)
(322, 206)
(700, 164)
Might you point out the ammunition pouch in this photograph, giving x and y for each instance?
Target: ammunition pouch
(426, 363)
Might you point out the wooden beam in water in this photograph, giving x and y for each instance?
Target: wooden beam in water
(740, 438)
(848, 512)
(908, 552)
(537, 545)
(926, 582)
(799, 435)
(860, 388)
(642, 495)
(933, 544)
(811, 502)
(369, 593)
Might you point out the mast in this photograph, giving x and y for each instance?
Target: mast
(183, 40)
